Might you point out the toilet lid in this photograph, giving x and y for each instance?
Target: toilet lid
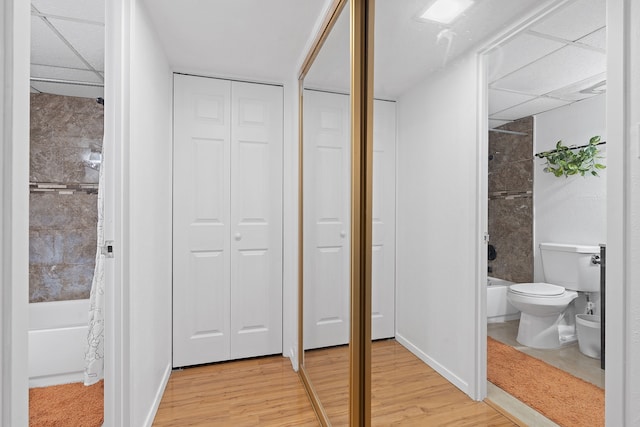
(539, 289)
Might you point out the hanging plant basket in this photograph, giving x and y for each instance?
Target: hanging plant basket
(566, 161)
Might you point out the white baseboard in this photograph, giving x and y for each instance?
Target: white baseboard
(148, 422)
(450, 376)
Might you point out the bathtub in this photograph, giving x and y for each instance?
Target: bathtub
(498, 308)
(57, 338)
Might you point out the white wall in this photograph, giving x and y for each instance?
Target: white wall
(149, 220)
(572, 209)
(14, 235)
(437, 213)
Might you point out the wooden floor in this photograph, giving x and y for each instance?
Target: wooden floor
(404, 390)
(254, 392)
(266, 392)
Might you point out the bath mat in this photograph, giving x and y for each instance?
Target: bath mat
(67, 405)
(567, 400)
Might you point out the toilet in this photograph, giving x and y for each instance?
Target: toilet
(547, 317)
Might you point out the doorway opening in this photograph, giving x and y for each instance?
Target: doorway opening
(66, 290)
(547, 83)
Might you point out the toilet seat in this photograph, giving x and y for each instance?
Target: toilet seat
(537, 289)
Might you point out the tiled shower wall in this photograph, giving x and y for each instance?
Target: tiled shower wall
(511, 201)
(62, 222)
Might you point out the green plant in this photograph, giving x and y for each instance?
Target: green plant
(567, 161)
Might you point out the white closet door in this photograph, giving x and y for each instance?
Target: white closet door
(256, 212)
(201, 247)
(384, 220)
(327, 223)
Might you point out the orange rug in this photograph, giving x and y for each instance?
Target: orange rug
(67, 405)
(567, 400)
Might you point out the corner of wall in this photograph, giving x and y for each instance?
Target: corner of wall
(290, 223)
(148, 223)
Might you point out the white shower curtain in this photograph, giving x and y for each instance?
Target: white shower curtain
(94, 355)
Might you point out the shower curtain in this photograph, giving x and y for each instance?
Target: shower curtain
(94, 355)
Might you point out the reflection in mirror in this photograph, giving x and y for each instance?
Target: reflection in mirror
(430, 70)
(426, 209)
(326, 222)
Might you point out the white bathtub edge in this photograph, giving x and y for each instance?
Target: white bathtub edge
(57, 339)
(47, 381)
(498, 307)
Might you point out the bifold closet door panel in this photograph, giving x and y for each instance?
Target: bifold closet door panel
(326, 213)
(327, 176)
(256, 212)
(201, 244)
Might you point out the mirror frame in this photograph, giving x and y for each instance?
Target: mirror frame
(361, 43)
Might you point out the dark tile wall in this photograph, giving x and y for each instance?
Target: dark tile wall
(62, 224)
(511, 201)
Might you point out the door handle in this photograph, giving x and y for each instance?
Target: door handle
(238, 236)
(343, 233)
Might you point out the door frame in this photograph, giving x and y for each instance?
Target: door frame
(15, 39)
(617, 391)
(117, 117)
(14, 255)
(482, 162)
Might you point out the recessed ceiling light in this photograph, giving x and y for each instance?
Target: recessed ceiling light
(445, 11)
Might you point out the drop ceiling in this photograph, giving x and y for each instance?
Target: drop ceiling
(555, 62)
(558, 60)
(67, 47)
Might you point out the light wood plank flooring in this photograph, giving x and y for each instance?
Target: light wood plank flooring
(405, 391)
(266, 392)
(254, 392)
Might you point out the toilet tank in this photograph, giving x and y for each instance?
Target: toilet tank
(570, 266)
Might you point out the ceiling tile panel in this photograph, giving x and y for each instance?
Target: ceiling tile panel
(518, 52)
(501, 100)
(557, 70)
(90, 10)
(597, 39)
(583, 89)
(573, 97)
(48, 49)
(530, 108)
(87, 39)
(575, 20)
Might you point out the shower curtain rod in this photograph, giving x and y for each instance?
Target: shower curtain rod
(570, 148)
(66, 82)
(63, 187)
